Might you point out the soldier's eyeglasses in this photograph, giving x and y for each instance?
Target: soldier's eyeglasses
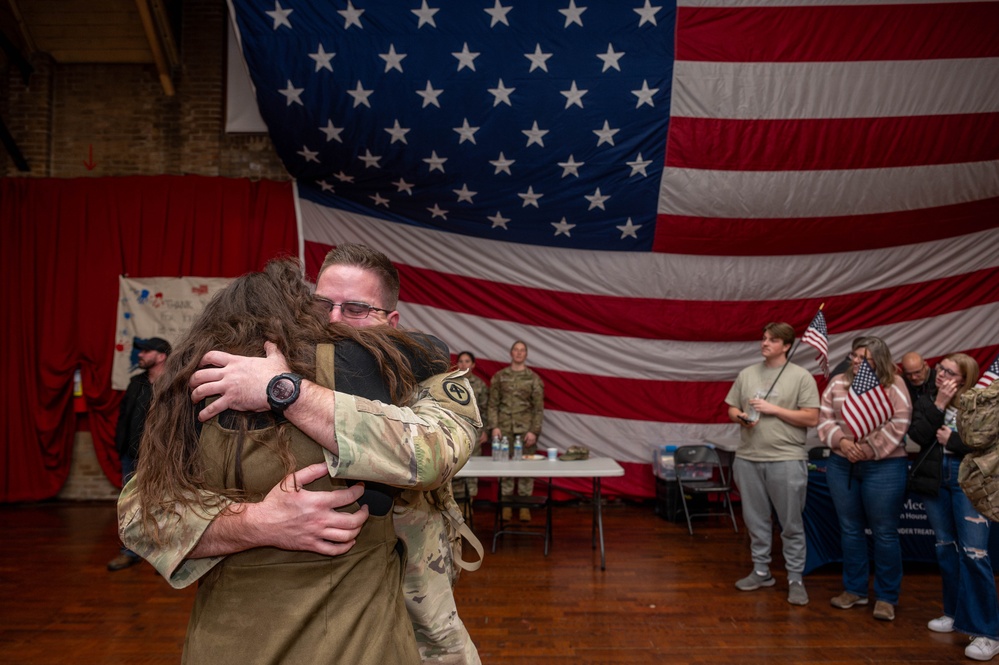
(350, 310)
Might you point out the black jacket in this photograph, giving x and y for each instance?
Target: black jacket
(132, 416)
(927, 470)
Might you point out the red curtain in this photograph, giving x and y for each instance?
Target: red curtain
(63, 245)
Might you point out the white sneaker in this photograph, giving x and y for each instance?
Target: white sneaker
(982, 648)
(942, 624)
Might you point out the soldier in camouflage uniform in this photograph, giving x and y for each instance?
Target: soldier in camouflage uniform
(361, 279)
(516, 406)
(466, 361)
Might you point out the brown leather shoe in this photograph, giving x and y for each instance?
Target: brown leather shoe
(884, 611)
(123, 561)
(846, 600)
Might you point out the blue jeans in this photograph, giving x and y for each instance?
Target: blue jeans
(969, 590)
(869, 495)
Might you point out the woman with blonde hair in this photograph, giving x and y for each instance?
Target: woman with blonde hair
(970, 603)
(867, 480)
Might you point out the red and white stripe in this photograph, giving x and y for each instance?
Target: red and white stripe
(836, 152)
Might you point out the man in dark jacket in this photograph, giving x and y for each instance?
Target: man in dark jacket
(153, 353)
(919, 377)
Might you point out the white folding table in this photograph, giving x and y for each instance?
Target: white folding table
(595, 468)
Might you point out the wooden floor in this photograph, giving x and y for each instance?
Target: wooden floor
(666, 597)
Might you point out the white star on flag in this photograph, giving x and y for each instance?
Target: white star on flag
(332, 132)
(648, 13)
(392, 59)
(293, 94)
(502, 164)
(465, 132)
(498, 14)
(501, 94)
(610, 58)
(628, 229)
(436, 163)
(571, 166)
(534, 135)
(573, 14)
(530, 198)
(322, 58)
(465, 58)
(430, 95)
(360, 95)
(464, 194)
(606, 134)
(351, 16)
(538, 59)
(309, 155)
(562, 227)
(574, 96)
(425, 14)
(280, 16)
(499, 220)
(397, 133)
(638, 165)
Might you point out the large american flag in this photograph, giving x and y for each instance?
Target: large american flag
(635, 187)
(866, 406)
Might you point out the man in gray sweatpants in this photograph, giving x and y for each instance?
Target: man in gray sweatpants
(775, 402)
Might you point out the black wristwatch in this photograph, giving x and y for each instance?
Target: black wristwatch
(283, 390)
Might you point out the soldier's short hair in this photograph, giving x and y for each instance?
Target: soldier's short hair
(519, 341)
(362, 256)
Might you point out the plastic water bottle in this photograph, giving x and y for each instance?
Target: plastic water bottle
(496, 448)
(505, 449)
(518, 449)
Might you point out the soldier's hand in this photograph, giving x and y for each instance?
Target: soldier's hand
(239, 381)
(293, 518)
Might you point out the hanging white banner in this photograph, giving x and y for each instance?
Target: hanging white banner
(156, 307)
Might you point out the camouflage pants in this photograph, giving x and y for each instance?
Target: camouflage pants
(525, 486)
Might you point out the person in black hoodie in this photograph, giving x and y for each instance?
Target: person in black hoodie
(962, 535)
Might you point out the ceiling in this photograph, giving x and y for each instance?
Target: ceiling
(92, 31)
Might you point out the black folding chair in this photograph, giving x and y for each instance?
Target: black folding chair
(699, 470)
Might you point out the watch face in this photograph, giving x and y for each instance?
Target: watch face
(283, 389)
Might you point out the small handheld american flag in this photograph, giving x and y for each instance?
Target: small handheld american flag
(867, 406)
(817, 336)
(990, 375)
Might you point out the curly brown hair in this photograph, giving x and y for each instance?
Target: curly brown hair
(274, 305)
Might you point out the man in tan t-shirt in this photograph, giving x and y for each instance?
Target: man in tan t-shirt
(775, 402)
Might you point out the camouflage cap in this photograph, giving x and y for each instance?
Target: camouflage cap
(575, 453)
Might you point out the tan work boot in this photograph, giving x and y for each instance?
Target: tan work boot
(507, 514)
(525, 515)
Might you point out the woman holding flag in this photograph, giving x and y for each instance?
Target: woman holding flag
(864, 416)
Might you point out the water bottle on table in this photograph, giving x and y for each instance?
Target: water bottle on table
(518, 449)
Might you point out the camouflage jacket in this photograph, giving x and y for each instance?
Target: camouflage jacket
(436, 436)
(516, 402)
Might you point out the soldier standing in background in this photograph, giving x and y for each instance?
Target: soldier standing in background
(466, 360)
(516, 406)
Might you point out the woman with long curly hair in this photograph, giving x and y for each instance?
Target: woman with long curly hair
(867, 480)
(269, 605)
(970, 604)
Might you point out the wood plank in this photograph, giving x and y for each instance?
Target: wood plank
(666, 597)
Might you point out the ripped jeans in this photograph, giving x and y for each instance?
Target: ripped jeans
(962, 535)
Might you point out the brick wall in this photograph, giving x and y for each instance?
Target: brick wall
(121, 116)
